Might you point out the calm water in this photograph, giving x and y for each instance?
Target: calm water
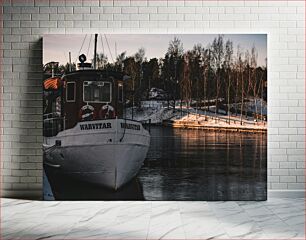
(186, 165)
(203, 165)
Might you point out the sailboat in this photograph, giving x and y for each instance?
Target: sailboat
(86, 136)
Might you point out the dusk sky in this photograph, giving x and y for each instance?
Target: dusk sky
(57, 47)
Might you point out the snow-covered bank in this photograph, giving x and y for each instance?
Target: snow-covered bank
(201, 121)
(192, 118)
(156, 115)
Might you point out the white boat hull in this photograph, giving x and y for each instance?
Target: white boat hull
(109, 156)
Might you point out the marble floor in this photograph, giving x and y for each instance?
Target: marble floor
(273, 219)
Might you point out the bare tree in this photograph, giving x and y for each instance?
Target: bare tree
(254, 56)
(186, 81)
(120, 60)
(175, 48)
(218, 56)
(241, 72)
(228, 63)
(175, 53)
(249, 79)
(140, 55)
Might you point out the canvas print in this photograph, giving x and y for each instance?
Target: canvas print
(155, 117)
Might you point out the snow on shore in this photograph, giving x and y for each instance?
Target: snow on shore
(192, 117)
(157, 115)
(218, 121)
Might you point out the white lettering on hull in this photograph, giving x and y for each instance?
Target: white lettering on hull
(95, 126)
(130, 126)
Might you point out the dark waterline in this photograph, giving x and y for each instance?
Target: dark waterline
(184, 164)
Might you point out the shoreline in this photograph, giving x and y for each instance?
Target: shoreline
(191, 118)
(198, 126)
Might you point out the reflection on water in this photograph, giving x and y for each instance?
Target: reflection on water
(204, 165)
(184, 165)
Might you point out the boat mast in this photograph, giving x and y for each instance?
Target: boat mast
(95, 51)
(70, 67)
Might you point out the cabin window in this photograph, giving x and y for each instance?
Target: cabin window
(70, 92)
(97, 91)
(120, 92)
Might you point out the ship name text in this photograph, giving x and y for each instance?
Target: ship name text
(94, 126)
(130, 126)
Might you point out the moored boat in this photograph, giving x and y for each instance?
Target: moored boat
(86, 135)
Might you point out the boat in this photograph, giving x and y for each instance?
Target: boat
(86, 136)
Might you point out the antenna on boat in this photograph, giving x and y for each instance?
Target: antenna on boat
(70, 62)
(95, 51)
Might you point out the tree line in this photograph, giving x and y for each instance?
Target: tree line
(204, 75)
(208, 75)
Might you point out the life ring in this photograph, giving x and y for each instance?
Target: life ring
(107, 111)
(87, 113)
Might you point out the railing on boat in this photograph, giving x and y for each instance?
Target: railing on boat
(53, 124)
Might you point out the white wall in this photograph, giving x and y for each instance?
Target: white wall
(25, 21)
